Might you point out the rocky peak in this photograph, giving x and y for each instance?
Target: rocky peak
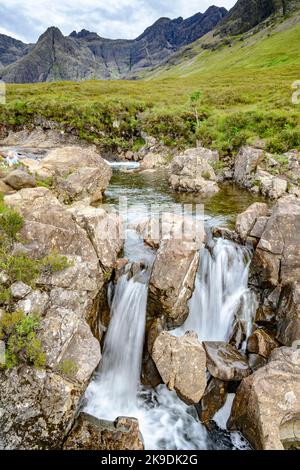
(84, 34)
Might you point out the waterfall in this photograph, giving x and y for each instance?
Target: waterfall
(113, 391)
(221, 294)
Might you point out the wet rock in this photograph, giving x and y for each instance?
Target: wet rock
(288, 315)
(246, 164)
(245, 222)
(181, 362)
(90, 433)
(19, 290)
(192, 172)
(213, 399)
(266, 399)
(256, 361)
(19, 179)
(225, 362)
(172, 280)
(261, 342)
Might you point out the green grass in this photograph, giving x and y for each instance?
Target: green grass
(243, 93)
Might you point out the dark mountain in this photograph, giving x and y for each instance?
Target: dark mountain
(86, 55)
(248, 13)
(11, 50)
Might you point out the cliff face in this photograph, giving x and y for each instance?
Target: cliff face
(248, 13)
(11, 50)
(86, 55)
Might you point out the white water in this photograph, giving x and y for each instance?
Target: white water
(165, 421)
(221, 293)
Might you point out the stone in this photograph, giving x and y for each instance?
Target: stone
(82, 184)
(213, 399)
(192, 172)
(105, 231)
(153, 160)
(19, 290)
(34, 303)
(246, 221)
(19, 179)
(225, 362)
(259, 227)
(268, 399)
(288, 315)
(169, 226)
(256, 361)
(172, 280)
(181, 363)
(261, 342)
(277, 256)
(5, 189)
(279, 188)
(90, 433)
(246, 164)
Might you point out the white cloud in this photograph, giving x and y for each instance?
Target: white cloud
(27, 19)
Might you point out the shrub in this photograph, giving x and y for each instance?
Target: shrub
(54, 263)
(68, 367)
(19, 332)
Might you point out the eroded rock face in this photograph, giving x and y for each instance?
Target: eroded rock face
(213, 399)
(288, 315)
(262, 343)
(225, 362)
(269, 399)
(90, 433)
(181, 362)
(192, 172)
(172, 280)
(68, 304)
(246, 164)
(246, 223)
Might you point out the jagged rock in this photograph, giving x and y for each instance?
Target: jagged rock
(246, 222)
(173, 278)
(262, 343)
(181, 362)
(276, 259)
(246, 163)
(192, 172)
(288, 315)
(104, 230)
(267, 399)
(256, 361)
(19, 179)
(213, 399)
(90, 433)
(19, 290)
(225, 362)
(77, 172)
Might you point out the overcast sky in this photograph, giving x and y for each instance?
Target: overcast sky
(28, 19)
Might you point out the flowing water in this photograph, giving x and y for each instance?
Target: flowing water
(221, 294)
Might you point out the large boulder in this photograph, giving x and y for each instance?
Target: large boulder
(153, 161)
(266, 406)
(225, 362)
(288, 315)
(247, 220)
(277, 256)
(246, 164)
(193, 172)
(181, 362)
(213, 400)
(90, 433)
(173, 278)
(77, 173)
(19, 179)
(261, 342)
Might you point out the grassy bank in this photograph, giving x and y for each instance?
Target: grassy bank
(224, 97)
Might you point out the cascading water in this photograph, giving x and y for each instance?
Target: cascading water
(119, 376)
(221, 293)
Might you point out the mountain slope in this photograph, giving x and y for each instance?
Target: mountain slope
(11, 50)
(86, 55)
